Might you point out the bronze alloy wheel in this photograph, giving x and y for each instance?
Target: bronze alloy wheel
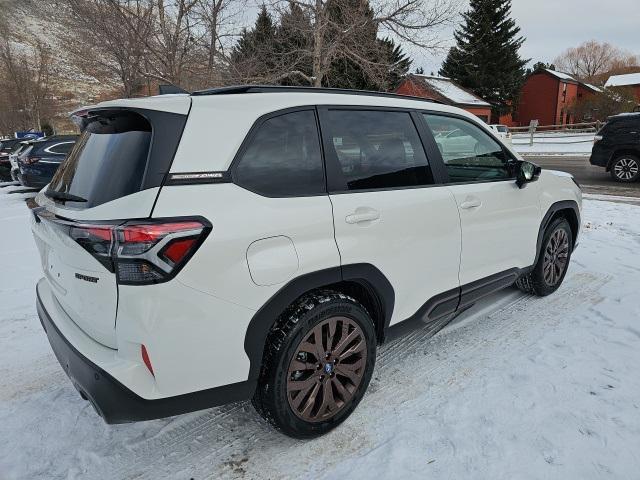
(326, 369)
(556, 255)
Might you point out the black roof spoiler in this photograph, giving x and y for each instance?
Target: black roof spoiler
(170, 90)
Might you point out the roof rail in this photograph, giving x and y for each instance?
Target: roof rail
(237, 89)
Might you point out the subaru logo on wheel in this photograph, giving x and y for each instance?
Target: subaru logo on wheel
(328, 367)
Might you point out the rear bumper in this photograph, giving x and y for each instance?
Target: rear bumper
(5, 170)
(114, 402)
(32, 181)
(599, 157)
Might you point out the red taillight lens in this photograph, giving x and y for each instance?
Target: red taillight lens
(152, 233)
(178, 249)
(31, 160)
(142, 253)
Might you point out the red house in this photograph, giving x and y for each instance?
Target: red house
(630, 80)
(445, 90)
(547, 95)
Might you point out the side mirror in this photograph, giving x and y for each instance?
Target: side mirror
(527, 172)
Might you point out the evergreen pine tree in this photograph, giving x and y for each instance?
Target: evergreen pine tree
(292, 38)
(399, 63)
(252, 55)
(485, 58)
(387, 63)
(272, 53)
(540, 66)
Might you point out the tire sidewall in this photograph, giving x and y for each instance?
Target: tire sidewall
(286, 419)
(542, 286)
(623, 157)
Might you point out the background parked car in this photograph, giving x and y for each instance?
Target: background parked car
(41, 158)
(617, 147)
(13, 158)
(6, 148)
(501, 131)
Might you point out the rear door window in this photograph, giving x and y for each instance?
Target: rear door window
(108, 161)
(377, 149)
(283, 158)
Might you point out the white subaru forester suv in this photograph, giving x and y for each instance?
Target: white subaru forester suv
(260, 242)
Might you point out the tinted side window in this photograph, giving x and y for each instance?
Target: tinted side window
(377, 149)
(283, 158)
(620, 128)
(469, 153)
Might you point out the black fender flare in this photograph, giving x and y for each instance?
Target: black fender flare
(546, 220)
(364, 274)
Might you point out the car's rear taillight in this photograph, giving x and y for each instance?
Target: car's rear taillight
(31, 160)
(143, 252)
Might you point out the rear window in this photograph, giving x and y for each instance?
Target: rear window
(108, 161)
(502, 129)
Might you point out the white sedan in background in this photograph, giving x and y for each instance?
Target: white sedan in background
(501, 131)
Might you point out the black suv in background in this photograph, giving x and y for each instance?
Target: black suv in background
(40, 160)
(617, 147)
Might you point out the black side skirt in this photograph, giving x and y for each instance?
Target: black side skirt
(443, 307)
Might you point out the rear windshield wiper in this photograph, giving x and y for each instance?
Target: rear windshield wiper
(65, 197)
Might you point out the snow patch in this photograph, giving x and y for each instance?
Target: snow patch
(523, 388)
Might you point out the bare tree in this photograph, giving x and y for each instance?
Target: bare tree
(341, 30)
(603, 104)
(101, 44)
(412, 21)
(169, 41)
(593, 60)
(219, 21)
(26, 78)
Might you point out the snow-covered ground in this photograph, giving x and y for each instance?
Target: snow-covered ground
(554, 143)
(525, 388)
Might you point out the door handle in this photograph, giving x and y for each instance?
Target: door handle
(362, 216)
(471, 202)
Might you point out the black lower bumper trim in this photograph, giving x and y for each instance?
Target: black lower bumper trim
(115, 402)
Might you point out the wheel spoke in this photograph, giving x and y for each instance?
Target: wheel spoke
(311, 401)
(344, 343)
(319, 342)
(302, 394)
(342, 391)
(300, 366)
(356, 348)
(333, 325)
(295, 385)
(349, 371)
(328, 402)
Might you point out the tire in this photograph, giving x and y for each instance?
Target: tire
(299, 402)
(625, 168)
(557, 244)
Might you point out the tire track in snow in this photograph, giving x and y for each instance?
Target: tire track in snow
(231, 440)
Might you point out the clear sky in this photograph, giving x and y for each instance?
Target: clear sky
(551, 26)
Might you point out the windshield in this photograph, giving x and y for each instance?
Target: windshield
(108, 161)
